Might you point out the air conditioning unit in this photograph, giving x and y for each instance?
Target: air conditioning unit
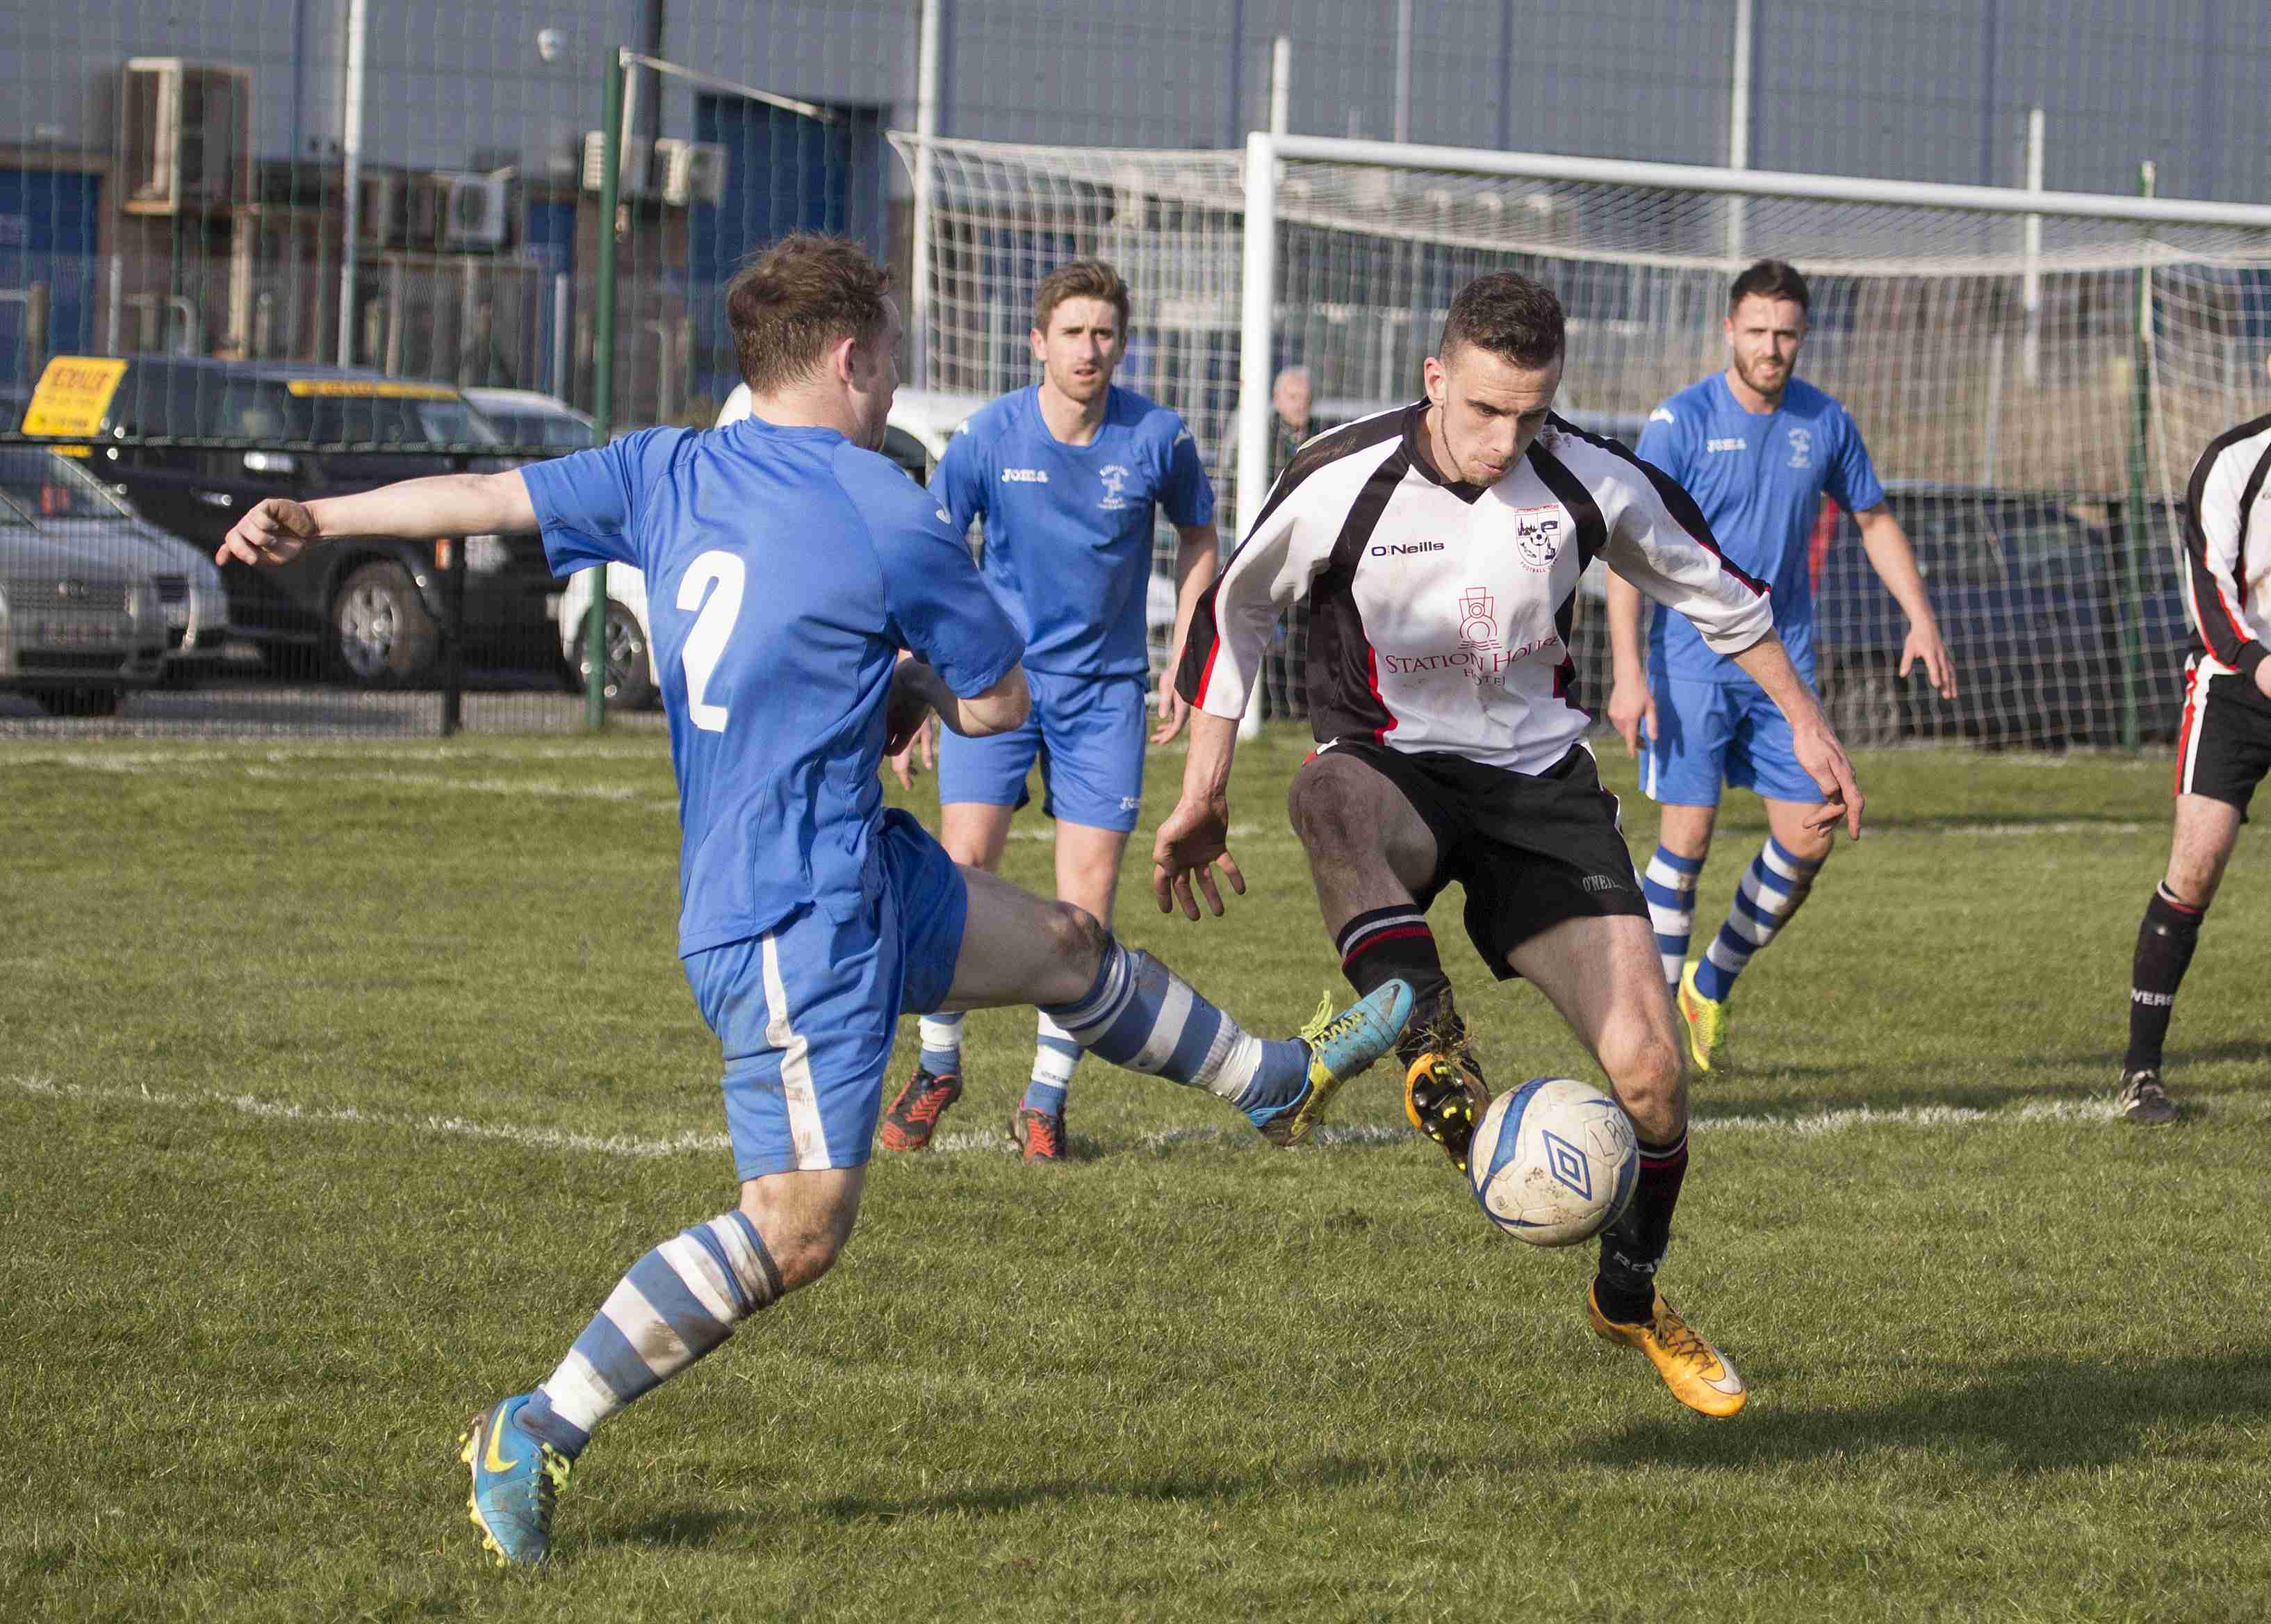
(633, 170)
(474, 210)
(185, 136)
(691, 172)
(381, 209)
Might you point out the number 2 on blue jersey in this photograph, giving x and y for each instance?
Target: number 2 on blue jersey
(712, 628)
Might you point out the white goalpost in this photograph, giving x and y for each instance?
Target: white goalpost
(2033, 371)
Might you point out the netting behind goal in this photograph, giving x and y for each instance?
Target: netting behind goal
(2034, 444)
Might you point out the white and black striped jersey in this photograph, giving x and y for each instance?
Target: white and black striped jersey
(2228, 550)
(1440, 612)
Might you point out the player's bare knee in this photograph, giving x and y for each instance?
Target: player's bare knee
(1077, 942)
(1650, 1079)
(804, 1241)
(802, 1255)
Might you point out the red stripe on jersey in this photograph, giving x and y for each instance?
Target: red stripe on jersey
(1206, 672)
(2230, 614)
(1372, 679)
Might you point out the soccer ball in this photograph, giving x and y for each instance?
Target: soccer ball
(1554, 1162)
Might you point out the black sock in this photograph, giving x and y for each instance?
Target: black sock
(1385, 943)
(2165, 941)
(1634, 1245)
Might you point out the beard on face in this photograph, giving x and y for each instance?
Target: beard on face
(1764, 373)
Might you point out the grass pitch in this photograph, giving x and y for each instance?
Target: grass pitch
(338, 1083)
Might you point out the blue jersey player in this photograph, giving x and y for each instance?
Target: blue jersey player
(810, 605)
(1758, 449)
(1065, 477)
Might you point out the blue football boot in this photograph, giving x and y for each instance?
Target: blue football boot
(516, 1479)
(1339, 1046)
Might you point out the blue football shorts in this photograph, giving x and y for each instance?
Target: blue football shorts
(805, 1012)
(1708, 733)
(1094, 728)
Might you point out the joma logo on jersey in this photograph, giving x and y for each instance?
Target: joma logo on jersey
(1536, 536)
(1400, 550)
(1735, 443)
(1024, 476)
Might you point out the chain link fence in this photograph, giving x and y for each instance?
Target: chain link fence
(291, 246)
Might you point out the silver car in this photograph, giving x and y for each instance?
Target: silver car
(77, 630)
(62, 501)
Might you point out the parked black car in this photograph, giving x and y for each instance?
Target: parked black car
(2032, 593)
(373, 609)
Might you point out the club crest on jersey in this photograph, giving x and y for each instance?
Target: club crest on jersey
(1477, 626)
(1801, 447)
(1536, 536)
(1113, 476)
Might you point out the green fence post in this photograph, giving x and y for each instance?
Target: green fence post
(2134, 534)
(603, 377)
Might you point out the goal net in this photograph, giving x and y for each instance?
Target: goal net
(2033, 373)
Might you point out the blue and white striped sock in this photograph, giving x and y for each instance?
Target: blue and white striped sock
(1774, 887)
(676, 1304)
(1142, 1015)
(1670, 886)
(941, 1044)
(1054, 1056)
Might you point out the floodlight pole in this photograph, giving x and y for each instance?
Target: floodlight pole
(603, 377)
(1738, 126)
(351, 175)
(927, 89)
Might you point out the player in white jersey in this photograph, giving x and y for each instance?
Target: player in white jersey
(1440, 546)
(2224, 747)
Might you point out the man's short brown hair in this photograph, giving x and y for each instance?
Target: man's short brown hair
(1508, 315)
(1083, 278)
(800, 299)
(1770, 279)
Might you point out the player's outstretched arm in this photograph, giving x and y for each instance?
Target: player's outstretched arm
(1767, 663)
(276, 531)
(1194, 841)
(1894, 560)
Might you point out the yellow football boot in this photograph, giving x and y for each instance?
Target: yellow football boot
(1697, 1373)
(1705, 1020)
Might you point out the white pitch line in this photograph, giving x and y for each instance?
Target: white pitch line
(972, 1142)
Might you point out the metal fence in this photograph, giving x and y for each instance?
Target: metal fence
(263, 187)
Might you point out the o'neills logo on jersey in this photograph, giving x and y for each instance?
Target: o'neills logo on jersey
(1404, 549)
(1024, 476)
(1536, 536)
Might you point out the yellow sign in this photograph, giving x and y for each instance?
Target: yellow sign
(360, 390)
(72, 394)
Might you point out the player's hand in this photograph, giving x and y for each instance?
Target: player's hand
(1631, 713)
(1174, 709)
(1925, 647)
(272, 531)
(2263, 678)
(1194, 843)
(918, 756)
(1824, 758)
